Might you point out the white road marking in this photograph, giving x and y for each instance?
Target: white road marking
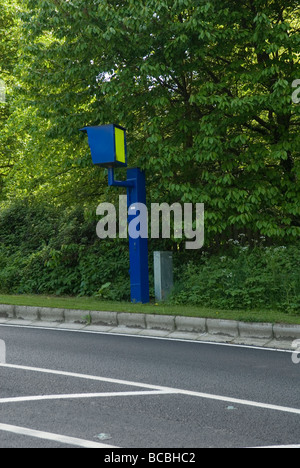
(86, 377)
(71, 396)
(53, 437)
(140, 335)
(237, 401)
(159, 388)
(279, 447)
(2, 351)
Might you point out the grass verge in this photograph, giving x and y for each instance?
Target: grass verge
(90, 303)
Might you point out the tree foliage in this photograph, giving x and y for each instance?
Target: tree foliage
(203, 87)
(8, 59)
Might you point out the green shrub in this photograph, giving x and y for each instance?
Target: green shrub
(50, 250)
(263, 277)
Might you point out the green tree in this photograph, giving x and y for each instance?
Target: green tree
(8, 58)
(204, 89)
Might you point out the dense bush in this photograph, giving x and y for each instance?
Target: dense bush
(49, 250)
(259, 277)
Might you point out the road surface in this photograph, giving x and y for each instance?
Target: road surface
(64, 388)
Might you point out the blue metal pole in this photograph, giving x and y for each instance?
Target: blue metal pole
(118, 183)
(138, 248)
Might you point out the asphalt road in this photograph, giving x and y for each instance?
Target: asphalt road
(66, 389)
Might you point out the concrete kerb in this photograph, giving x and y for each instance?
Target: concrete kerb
(51, 315)
(131, 320)
(104, 318)
(160, 322)
(190, 324)
(227, 328)
(76, 316)
(286, 332)
(164, 325)
(27, 313)
(256, 330)
(7, 311)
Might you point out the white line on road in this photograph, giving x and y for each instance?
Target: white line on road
(139, 334)
(159, 388)
(278, 447)
(61, 439)
(85, 376)
(2, 351)
(71, 396)
(237, 401)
